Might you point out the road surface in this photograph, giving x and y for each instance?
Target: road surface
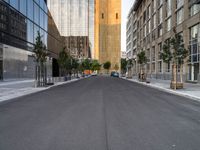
(100, 113)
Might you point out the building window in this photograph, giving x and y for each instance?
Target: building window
(154, 6)
(169, 24)
(30, 9)
(15, 4)
(154, 21)
(145, 30)
(194, 9)
(194, 44)
(179, 16)
(169, 8)
(179, 3)
(36, 14)
(102, 15)
(160, 28)
(117, 16)
(160, 18)
(160, 2)
(22, 7)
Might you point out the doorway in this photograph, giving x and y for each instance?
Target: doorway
(194, 72)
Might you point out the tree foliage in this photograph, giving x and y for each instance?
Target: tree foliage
(123, 64)
(40, 50)
(107, 65)
(95, 65)
(142, 59)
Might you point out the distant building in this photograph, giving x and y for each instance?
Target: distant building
(123, 54)
(108, 31)
(75, 20)
(152, 22)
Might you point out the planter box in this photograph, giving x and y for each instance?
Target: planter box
(179, 85)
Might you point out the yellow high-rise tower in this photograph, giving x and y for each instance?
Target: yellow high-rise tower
(108, 32)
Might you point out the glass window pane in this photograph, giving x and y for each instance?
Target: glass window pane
(30, 9)
(23, 6)
(42, 4)
(37, 1)
(36, 29)
(15, 4)
(30, 31)
(41, 19)
(45, 22)
(36, 14)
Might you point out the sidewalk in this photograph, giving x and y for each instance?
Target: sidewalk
(190, 90)
(14, 89)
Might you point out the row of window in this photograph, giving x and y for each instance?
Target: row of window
(195, 8)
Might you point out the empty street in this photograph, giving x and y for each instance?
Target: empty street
(100, 113)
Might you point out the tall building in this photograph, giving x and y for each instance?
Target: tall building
(108, 31)
(20, 20)
(155, 21)
(75, 20)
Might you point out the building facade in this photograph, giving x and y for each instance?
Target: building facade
(108, 31)
(74, 18)
(20, 20)
(155, 22)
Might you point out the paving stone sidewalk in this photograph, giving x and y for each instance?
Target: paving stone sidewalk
(190, 90)
(14, 89)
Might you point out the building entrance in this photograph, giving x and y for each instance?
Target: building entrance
(194, 72)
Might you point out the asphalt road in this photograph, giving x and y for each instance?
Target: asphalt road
(100, 113)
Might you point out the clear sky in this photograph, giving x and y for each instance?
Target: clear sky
(126, 5)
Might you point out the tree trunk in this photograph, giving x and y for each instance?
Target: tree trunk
(181, 73)
(175, 75)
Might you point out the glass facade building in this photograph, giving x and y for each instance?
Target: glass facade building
(20, 20)
(74, 18)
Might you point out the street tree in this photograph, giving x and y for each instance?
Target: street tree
(107, 66)
(62, 60)
(123, 65)
(174, 51)
(95, 66)
(40, 55)
(142, 60)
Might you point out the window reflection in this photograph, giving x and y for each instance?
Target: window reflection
(15, 4)
(30, 9)
(23, 6)
(36, 29)
(36, 14)
(30, 31)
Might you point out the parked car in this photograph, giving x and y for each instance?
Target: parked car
(114, 74)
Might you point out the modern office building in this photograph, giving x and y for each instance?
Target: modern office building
(108, 31)
(75, 20)
(155, 21)
(20, 20)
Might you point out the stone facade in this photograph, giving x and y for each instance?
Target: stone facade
(108, 31)
(155, 20)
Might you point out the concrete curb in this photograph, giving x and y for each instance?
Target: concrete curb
(36, 90)
(196, 98)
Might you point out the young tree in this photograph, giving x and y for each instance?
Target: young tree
(86, 64)
(40, 57)
(62, 60)
(95, 65)
(175, 52)
(123, 65)
(107, 66)
(142, 60)
(75, 65)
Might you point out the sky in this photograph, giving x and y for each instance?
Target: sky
(126, 5)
